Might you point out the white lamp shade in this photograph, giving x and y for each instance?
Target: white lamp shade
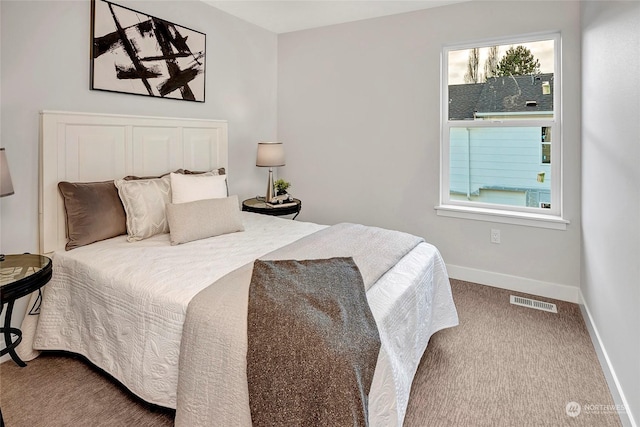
(270, 154)
(6, 186)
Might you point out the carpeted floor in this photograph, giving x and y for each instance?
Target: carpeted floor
(503, 366)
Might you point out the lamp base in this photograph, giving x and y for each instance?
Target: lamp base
(270, 192)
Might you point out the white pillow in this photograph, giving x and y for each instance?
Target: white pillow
(189, 188)
(203, 218)
(144, 202)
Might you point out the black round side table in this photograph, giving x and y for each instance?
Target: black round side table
(19, 276)
(259, 206)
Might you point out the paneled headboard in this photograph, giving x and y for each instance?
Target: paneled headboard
(86, 147)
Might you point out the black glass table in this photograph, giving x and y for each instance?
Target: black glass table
(259, 206)
(20, 275)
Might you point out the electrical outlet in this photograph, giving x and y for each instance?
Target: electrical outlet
(495, 235)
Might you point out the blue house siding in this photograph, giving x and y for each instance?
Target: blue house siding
(498, 165)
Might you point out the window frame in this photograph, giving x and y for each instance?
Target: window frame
(530, 216)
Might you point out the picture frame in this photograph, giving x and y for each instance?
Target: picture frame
(136, 53)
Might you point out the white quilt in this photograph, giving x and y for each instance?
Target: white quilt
(122, 305)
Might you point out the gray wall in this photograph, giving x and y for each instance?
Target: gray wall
(357, 106)
(45, 66)
(611, 183)
(359, 112)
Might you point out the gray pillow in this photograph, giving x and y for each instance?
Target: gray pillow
(219, 171)
(203, 218)
(94, 212)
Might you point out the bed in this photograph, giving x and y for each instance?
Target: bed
(124, 304)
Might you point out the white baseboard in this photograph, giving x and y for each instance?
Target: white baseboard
(516, 283)
(612, 380)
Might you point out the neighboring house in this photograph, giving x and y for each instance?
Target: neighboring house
(504, 165)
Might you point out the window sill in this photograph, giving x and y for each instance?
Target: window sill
(505, 217)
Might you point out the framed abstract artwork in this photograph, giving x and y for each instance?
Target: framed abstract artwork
(136, 53)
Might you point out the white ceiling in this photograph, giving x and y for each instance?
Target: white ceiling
(292, 15)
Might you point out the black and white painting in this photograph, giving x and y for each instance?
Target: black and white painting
(133, 52)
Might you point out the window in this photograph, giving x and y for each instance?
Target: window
(545, 158)
(500, 109)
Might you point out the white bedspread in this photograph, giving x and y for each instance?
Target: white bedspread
(122, 305)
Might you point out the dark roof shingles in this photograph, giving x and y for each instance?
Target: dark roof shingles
(508, 94)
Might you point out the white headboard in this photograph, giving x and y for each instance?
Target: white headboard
(85, 147)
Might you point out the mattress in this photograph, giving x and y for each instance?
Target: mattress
(122, 305)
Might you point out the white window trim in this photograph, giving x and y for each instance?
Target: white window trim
(503, 216)
(534, 217)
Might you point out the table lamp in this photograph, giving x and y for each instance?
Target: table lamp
(270, 154)
(6, 186)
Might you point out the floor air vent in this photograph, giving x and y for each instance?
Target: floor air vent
(531, 303)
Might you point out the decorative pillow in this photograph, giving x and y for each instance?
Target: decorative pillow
(135, 177)
(189, 188)
(219, 171)
(94, 212)
(203, 218)
(144, 202)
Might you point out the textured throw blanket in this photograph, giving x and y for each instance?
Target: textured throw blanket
(312, 344)
(212, 384)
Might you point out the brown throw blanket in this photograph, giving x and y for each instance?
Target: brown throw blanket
(312, 344)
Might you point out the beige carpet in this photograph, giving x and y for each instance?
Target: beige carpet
(503, 366)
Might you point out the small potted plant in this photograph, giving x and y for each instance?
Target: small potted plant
(281, 186)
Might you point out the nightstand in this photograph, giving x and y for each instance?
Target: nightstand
(259, 206)
(19, 276)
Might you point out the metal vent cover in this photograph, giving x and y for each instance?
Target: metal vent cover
(531, 303)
